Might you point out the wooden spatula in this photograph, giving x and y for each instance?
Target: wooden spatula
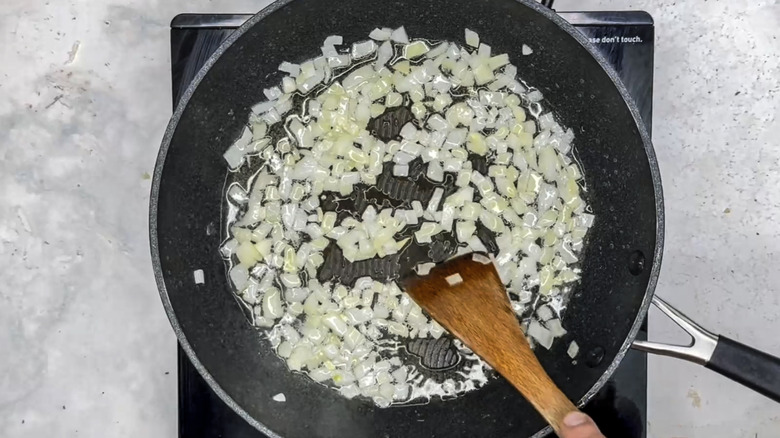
(466, 296)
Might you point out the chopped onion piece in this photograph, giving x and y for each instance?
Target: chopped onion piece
(437, 123)
(381, 34)
(483, 51)
(385, 53)
(234, 157)
(333, 40)
(435, 171)
(535, 96)
(272, 304)
(472, 38)
(476, 245)
(401, 170)
(329, 51)
(335, 323)
(425, 268)
(438, 50)
(415, 50)
(554, 325)
(481, 259)
(393, 100)
(292, 69)
(264, 107)
(417, 208)
(363, 49)
(239, 276)
(427, 230)
(465, 230)
(339, 61)
(498, 61)
(399, 36)
(573, 349)
(540, 334)
(454, 279)
(409, 132)
(272, 93)
(198, 276)
(403, 158)
(433, 204)
(544, 313)
(585, 220)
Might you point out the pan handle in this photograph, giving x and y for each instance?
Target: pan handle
(743, 364)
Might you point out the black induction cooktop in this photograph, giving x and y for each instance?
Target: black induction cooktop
(627, 41)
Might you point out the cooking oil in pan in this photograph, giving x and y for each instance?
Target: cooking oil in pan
(442, 368)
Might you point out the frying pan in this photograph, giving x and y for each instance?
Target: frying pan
(620, 264)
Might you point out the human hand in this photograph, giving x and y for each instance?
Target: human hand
(579, 425)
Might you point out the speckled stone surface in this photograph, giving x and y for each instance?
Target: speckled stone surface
(85, 348)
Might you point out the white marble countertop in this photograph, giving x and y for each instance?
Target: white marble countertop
(85, 347)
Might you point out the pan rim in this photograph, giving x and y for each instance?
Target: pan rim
(274, 6)
(154, 196)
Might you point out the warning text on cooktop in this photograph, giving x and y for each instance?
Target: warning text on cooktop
(615, 39)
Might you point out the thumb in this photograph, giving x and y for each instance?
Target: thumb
(579, 425)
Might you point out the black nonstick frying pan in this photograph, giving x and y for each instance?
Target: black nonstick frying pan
(619, 268)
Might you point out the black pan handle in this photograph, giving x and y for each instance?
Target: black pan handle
(755, 369)
(743, 364)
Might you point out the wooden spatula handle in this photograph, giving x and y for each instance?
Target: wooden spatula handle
(541, 391)
(557, 408)
(511, 356)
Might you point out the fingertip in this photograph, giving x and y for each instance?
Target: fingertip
(579, 425)
(574, 419)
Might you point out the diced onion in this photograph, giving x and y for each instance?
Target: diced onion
(480, 259)
(415, 50)
(401, 170)
(573, 349)
(540, 334)
(292, 69)
(333, 40)
(472, 39)
(454, 279)
(399, 36)
(381, 34)
(363, 49)
(514, 179)
(425, 268)
(464, 230)
(433, 204)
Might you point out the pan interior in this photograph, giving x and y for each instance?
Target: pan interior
(189, 180)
